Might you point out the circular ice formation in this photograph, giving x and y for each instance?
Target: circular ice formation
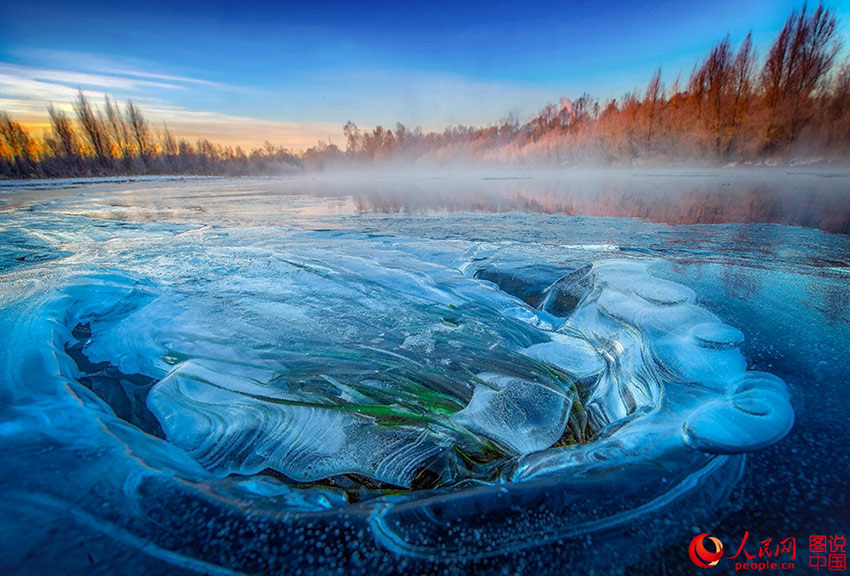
(663, 293)
(647, 358)
(717, 335)
(675, 385)
(756, 413)
(664, 384)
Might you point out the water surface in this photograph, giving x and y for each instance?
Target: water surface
(242, 376)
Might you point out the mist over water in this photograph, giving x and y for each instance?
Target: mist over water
(807, 197)
(814, 198)
(384, 373)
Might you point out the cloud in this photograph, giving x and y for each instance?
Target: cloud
(73, 79)
(107, 65)
(14, 87)
(196, 124)
(322, 99)
(242, 130)
(26, 92)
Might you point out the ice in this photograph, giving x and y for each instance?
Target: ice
(756, 413)
(244, 394)
(399, 380)
(307, 500)
(717, 335)
(523, 416)
(674, 378)
(574, 355)
(230, 425)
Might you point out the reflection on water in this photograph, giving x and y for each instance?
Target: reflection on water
(815, 199)
(808, 198)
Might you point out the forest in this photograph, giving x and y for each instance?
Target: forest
(791, 105)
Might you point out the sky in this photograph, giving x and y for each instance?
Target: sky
(294, 73)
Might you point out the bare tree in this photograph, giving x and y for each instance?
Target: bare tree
(352, 137)
(16, 146)
(140, 133)
(372, 141)
(63, 142)
(120, 133)
(743, 69)
(797, 64)
(710, 85)
(653, 102)
(546, 120)
(837, 110)
(729, 109)
(94, 129)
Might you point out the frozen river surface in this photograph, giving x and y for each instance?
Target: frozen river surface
(378, 377)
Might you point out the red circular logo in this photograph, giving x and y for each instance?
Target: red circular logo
(699, 553)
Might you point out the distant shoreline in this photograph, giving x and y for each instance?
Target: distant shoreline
(826, 169)
(817, 198)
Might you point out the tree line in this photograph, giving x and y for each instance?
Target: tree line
(734, 108)
(120, 141)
